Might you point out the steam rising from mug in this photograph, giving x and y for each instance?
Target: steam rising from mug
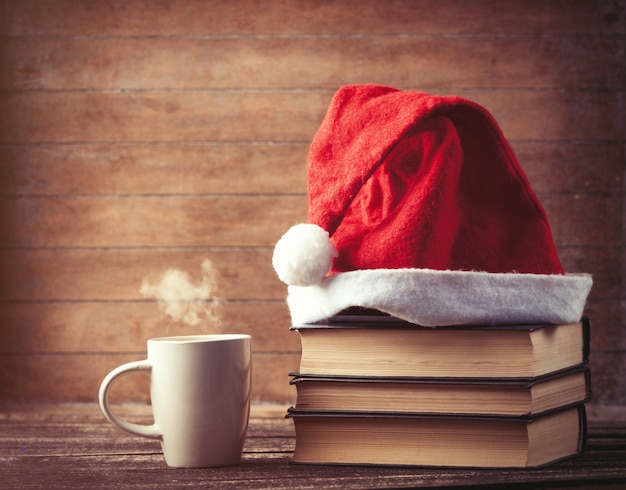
(183, 301)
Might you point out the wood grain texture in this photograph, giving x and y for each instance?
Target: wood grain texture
(58, 446)
(553, 167)
(190, 116)
(185, 63)
(270, 168)
(117, 274)
(77, 377)
(249, 221)
(92, 327)
(200, 168)
(170, 221)
(308, 17)
(241, 274)
(139, 136)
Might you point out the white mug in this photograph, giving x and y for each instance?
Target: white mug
(200, 393)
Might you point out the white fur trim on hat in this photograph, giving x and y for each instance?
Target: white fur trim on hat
(437, 298)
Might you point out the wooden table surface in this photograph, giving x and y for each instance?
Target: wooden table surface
(73, 446)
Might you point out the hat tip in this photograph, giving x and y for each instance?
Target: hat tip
(304, 255)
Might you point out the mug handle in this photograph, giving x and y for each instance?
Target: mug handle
(150, 431)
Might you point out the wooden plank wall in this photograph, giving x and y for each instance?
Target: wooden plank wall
(139, 135)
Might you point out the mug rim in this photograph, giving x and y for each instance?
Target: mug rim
(198, 338)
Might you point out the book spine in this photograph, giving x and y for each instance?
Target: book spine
(586, 338)
(525, 381)
(582, 443)
(524, 419)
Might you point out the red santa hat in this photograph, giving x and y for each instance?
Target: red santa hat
(419, 208)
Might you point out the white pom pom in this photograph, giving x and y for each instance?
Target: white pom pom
(303, 255)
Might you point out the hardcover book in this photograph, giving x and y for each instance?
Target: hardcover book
(502, 397)
(388, 347)
(443, 441)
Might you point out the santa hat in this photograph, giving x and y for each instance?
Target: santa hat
(418, 208)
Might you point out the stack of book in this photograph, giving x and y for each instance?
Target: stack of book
(373, 389)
